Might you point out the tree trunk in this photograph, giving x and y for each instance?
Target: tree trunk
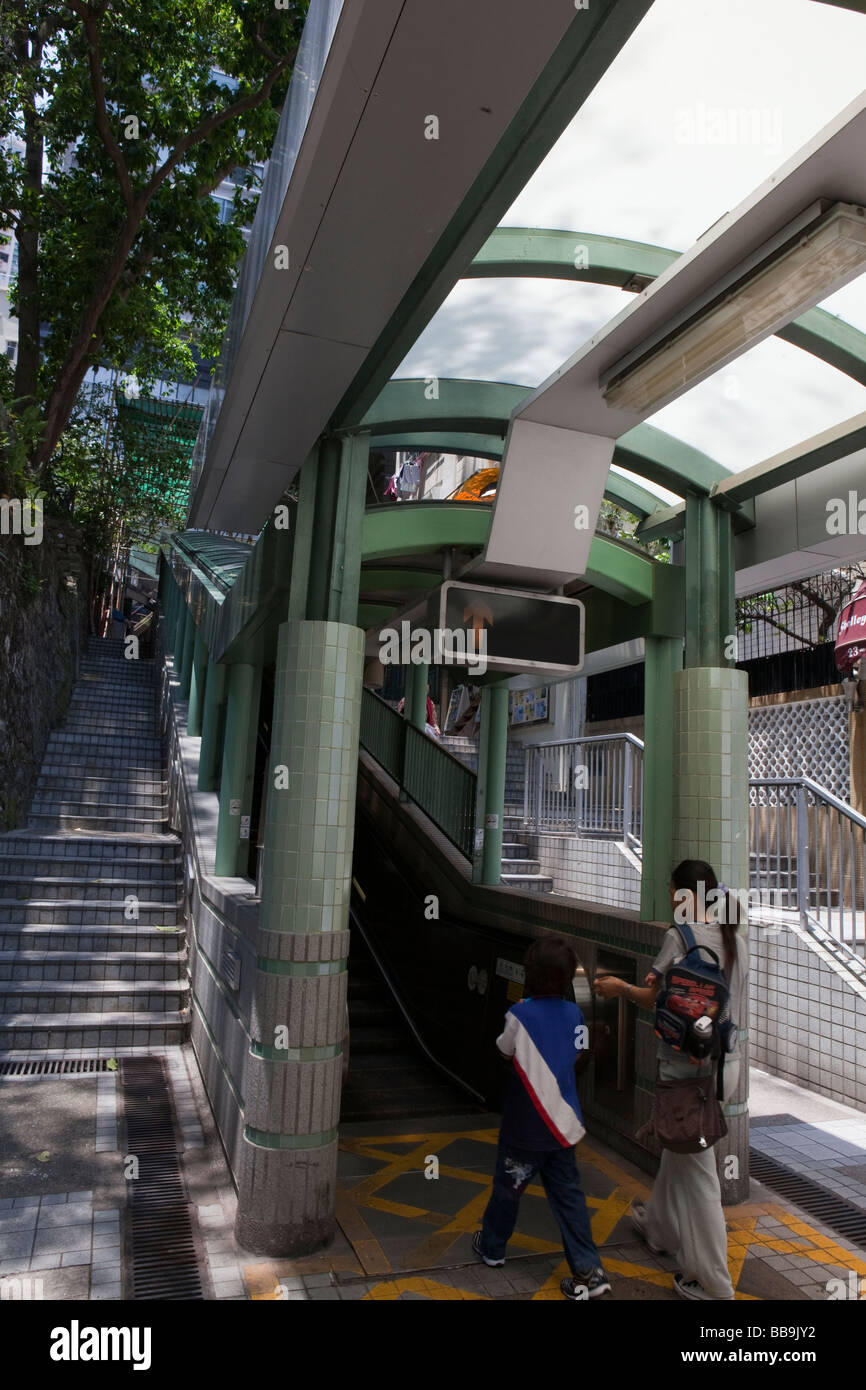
(27, 369)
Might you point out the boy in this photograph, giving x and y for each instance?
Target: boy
(541, 1119)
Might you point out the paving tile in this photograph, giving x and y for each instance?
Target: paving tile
(70, 1214)
(75, 1257)
(51, 1261)
(23, 1220)
(106, 1255)
(16, 1244)
(106, 1240)
(62, 1238)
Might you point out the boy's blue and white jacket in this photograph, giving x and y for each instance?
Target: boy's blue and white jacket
(542, 1037)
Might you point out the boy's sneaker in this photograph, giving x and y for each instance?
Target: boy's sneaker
(637, 1216)
(690, 1288)
(476, 1246)
(590, 1284)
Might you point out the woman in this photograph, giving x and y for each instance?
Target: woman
(684, 1215)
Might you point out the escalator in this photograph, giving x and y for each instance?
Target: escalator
(390, 1074)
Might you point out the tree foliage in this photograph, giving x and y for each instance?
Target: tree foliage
(129, 118)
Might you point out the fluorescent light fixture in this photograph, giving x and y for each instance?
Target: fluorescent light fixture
(783, 285)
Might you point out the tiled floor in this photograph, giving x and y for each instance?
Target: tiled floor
(811, 1134)
(403, 1233)
(60, 1231)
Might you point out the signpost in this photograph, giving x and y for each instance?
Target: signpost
(516, 630)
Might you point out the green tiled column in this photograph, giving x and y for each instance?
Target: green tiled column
(287, 1181)
(183, 617)
(664, 658)
(494, 713)
(711, 822)
(238, 768)
(210, 754)
(169, 608)
(197, 686)
(415, 709)
(185, 653)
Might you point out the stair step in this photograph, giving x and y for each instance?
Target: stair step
(93, 912)
(143, 967)
(521, 866)
(140, 752)
(84, 1030)
(53, 888)
(56, 801)
(535, 883)
(80, 845)
(136, 825)
(31, 870)
(91, 996)
(106, 769)
(126, 938)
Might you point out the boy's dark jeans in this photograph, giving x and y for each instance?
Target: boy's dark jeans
(515, 1169)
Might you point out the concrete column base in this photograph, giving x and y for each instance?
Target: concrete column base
(286, 1200)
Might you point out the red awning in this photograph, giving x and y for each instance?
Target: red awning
(851, 636)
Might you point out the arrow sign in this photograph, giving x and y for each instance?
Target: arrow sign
(476, 613)
(521, 631)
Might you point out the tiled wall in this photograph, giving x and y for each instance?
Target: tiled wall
(808, 1015)
(711, 793)
(597, 871)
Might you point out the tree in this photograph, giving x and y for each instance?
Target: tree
(827, 592)
(130, 117)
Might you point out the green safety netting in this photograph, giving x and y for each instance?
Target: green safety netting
(164, 431)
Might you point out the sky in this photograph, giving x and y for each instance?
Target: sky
(706, 100)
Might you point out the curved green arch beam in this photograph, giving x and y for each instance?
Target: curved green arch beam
(409, 406)
(542, 253)
(423, 528)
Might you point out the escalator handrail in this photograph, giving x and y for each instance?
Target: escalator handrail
(395, 995)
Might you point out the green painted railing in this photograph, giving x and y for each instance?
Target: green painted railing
(439, 784)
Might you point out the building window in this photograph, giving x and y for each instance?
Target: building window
(225, 208)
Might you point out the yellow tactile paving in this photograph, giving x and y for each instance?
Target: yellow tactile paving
(438, 1231)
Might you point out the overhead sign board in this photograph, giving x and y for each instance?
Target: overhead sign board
(509, 630)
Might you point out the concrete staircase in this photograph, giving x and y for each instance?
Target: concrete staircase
(519, 869)
(92, 942)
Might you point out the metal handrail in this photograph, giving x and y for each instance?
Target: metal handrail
(817, 790)
(809, 849)
(593, 738)
(441, 785)
(610, 805)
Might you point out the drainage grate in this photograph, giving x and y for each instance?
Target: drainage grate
(60, 1066)
(834, 1211)
(163, 1248)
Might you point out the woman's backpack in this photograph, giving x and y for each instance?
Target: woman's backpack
(691, 1003)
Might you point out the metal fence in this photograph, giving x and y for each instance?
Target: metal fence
(586, 786)
(440, 784)
(808, 853)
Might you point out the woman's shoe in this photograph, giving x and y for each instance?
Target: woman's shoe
(691, 1289)
(637, 1216)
